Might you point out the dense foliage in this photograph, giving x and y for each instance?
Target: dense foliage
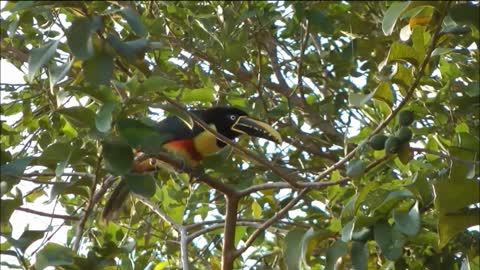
(377, 103)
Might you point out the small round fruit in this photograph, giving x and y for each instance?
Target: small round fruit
(377, 142)
(392, 144)
(405, 118)
(404, 134)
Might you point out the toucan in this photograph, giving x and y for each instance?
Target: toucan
(192, 144)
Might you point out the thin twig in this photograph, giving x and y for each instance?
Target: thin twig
(445, 156)
(89, 207)
(159, 212)
(280, 185)
(33, 174)
(280, 214)
(43, 214)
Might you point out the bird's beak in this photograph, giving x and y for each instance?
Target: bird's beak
(256, 128)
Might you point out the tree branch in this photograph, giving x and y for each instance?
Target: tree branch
(280, 185)
(89, 207)
(445, 156)
(195, 173)
(159, 212)
(184, 248)
(228, 252)
(31, 211)
(280, 214)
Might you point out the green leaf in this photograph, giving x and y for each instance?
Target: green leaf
(131, 50)
(27, 238)
(473, 89)
(256, 210)
(401, 52)
(133, 19)
(79, 38)
(336, 251)
(465, 13)
(389, 240)
(451, 224)
(292, 248)
(23, 5)
(54, 153)
(447, 192)
(440, 51)
(79, 187)
(60, 168)
(347, 231)
(101, 93)
(8, 206)
(40, 56)
(99, 69)
(79, 116)
(57, 73)
(158, 83)
(54, 255)
(408, 222)
(140, 135)
(350, 209)
(205, 95)
(239, 233)
(461, 169)
(211, 33)
(359, 254)
(103, 120)
(118, 156)
(319, 21)
(402, 76)
(421, 188)
(142, 184)
(391, 16)
(15, 167)
(358, 100)
(420, 39)
(384, 92)
(392, 200)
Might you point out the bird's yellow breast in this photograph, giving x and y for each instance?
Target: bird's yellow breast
(206, 143)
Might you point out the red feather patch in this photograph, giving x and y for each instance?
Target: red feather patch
(185, 146)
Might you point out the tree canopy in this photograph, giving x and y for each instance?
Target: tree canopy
(377, 104)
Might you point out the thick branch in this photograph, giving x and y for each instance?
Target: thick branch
(228, 252)
(8, 51)
(184, 248)
(199, 175)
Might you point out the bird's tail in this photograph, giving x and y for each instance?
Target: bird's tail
(115, 202)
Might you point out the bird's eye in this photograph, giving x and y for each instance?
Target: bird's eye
(233, 117)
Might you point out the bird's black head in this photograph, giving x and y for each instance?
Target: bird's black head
(232, 122)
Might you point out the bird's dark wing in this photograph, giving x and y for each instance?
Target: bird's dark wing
(176, 129)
